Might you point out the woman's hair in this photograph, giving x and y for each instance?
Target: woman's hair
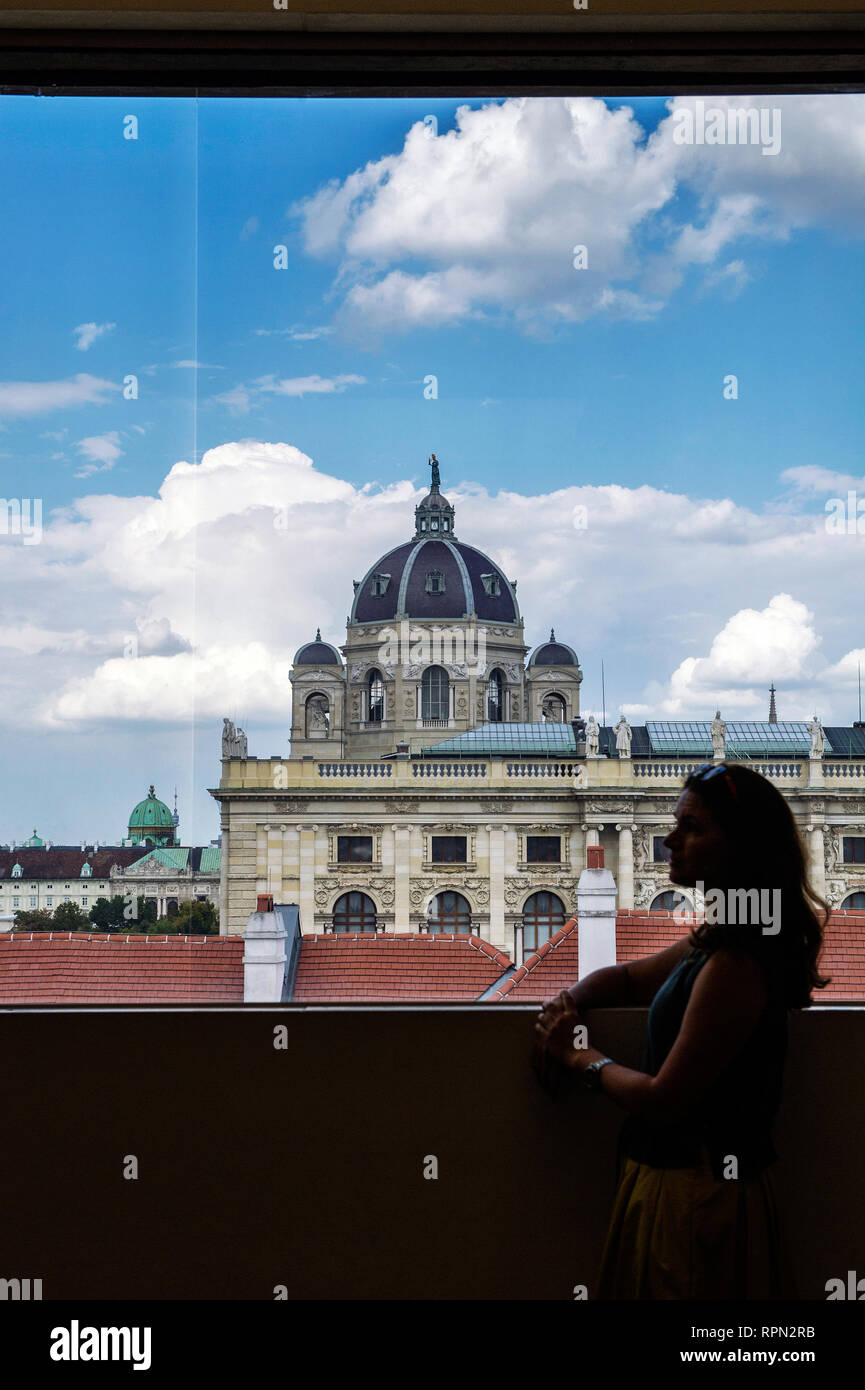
(766, 854)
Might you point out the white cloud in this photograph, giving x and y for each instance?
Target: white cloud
(777, 643)
(309, 385)
(482, 219)
(88, 333)
(102, 452)
(812, 478)
(21, 398)
(216, 580)
(240, 398)
(249, 228)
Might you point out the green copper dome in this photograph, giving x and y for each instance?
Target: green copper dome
(34, 842)
(152, 820)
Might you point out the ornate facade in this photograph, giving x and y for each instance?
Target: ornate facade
(437, 780)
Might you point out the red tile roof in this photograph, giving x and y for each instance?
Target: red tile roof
(843, 957)
(640, 933)
(396, 965)
(100, 968)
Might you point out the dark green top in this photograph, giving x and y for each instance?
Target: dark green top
(734, 1116)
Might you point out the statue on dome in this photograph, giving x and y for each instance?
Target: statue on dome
(434, 464)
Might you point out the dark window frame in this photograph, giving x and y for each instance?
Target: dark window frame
(349, 843)
(536, 842)
(453, 841)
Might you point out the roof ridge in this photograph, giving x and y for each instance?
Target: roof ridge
(529, 964)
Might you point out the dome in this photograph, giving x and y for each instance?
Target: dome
(435, 579)
(317, 653)
(33, 843)
(149, 815)
(553, 653)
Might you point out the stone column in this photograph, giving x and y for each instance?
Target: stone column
(307, 879)
(274, 861)
(497, 884)
(626, 865)
(401, 877)
(817, 860)
(225, 846)
(596, 916)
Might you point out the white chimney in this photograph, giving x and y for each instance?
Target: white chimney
(596, 914)
(264, 954)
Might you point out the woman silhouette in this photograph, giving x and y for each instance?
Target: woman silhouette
(695, 1215)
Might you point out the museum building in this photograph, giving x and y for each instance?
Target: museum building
(441, 778)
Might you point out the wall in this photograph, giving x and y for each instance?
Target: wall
(304, 1167)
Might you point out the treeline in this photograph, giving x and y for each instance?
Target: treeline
(121, 914)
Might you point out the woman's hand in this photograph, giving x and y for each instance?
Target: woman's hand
(554, 1031)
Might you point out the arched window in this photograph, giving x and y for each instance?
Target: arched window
(854, 902)
(495, 697)
(553, 709)
(375, 686)
(435, 693)
(354, 912)
(543, 914)
(450, 912)
(669, 901)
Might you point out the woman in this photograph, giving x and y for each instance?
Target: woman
(695, 1213)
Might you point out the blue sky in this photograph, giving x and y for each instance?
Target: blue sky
(163, 245)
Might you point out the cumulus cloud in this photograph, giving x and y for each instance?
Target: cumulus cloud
(484, 219)
(755, 647)
(187, 605)
(87, 333)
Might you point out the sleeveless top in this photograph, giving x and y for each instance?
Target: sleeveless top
(734, 1115)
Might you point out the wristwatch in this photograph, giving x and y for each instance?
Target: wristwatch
(592, 1074)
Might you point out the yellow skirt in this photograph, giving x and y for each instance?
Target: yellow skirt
(682, 1233)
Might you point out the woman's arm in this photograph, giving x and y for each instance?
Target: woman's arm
(636, 982)
(728, 996)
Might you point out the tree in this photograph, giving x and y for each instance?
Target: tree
(121, 914)
(70, 917)
(32, 919)
(190, 919)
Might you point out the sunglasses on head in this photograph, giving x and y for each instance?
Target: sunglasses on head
(710, 770)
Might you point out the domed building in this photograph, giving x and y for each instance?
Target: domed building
(151, 823)
(441, 778)
(434, 646)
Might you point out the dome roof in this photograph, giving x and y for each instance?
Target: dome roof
(553, 653)
(33, 843)
(436, 579)
(151, 813)
(317, 653)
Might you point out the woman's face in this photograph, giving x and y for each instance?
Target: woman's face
(699, 849)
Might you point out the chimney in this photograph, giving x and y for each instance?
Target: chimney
(264, 954)
(596, 914)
